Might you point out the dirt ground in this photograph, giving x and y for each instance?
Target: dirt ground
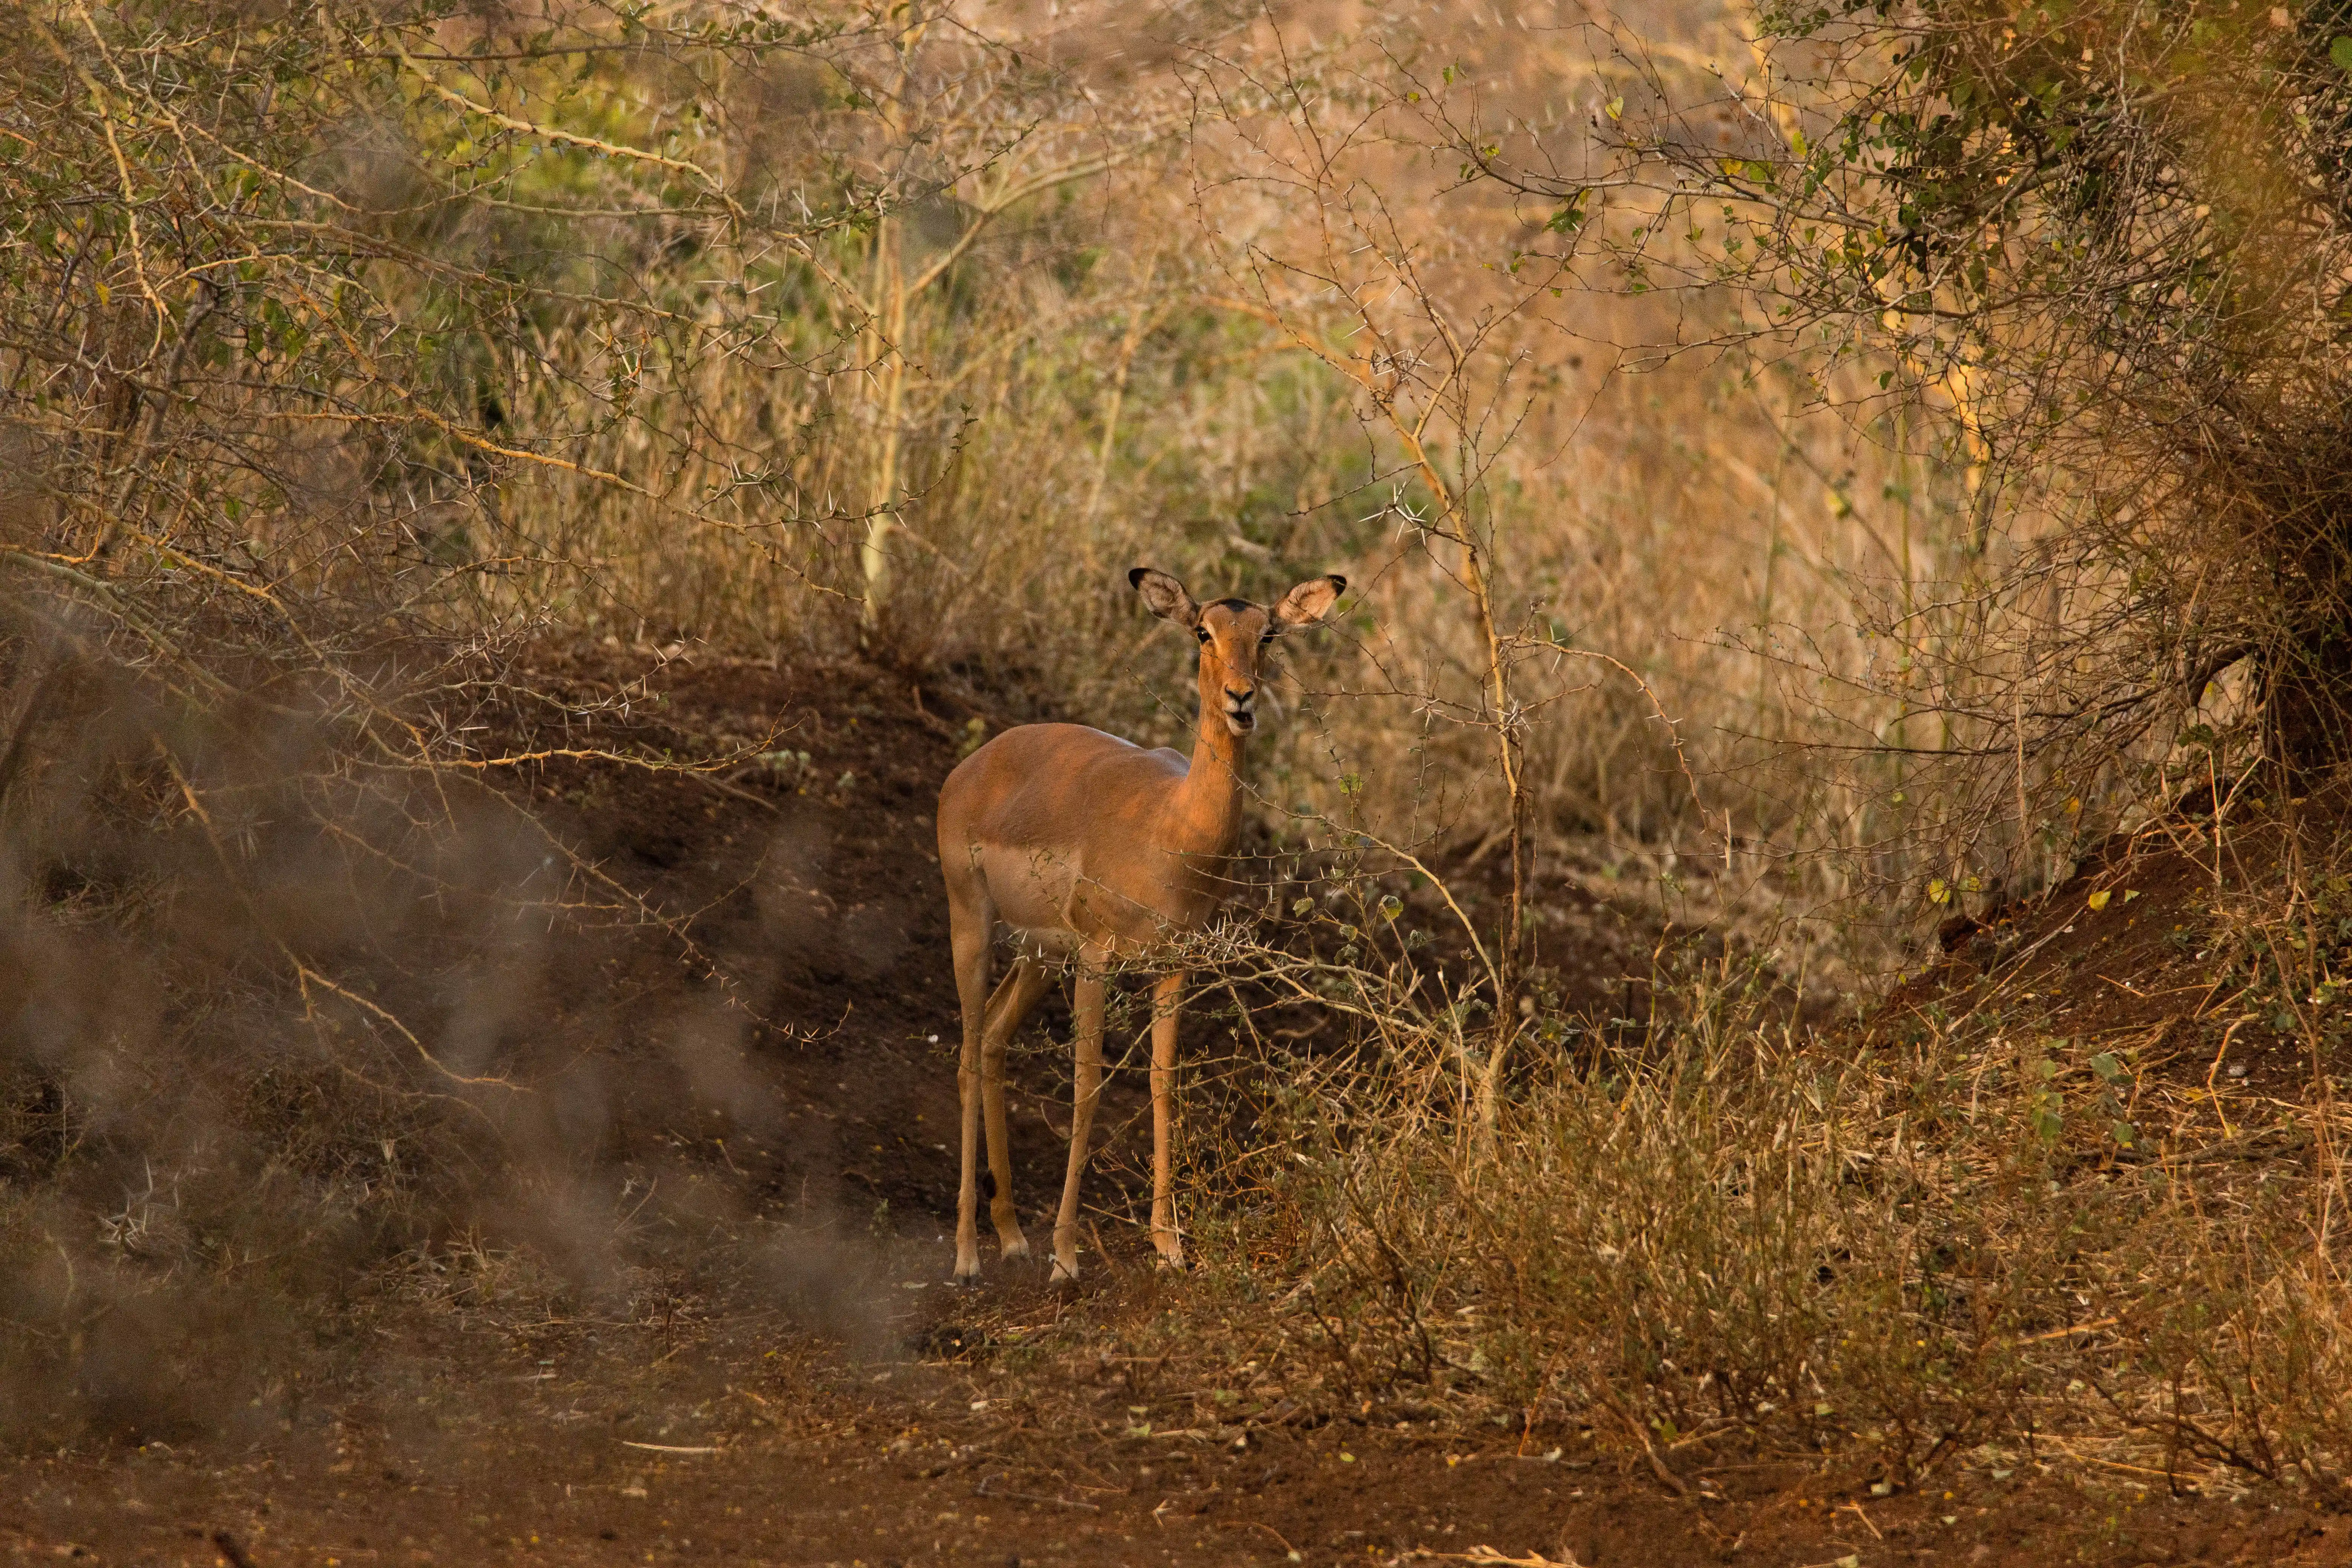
(819, 1395)
(758, 1445)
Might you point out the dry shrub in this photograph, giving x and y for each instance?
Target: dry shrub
(2114, 317)
(1968, 1233)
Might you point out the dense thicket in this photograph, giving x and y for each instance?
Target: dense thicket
(2103, 251)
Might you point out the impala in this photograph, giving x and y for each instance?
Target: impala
(1092, 850)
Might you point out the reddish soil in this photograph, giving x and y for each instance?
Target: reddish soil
(758, 1443)
(2137, 950)
(805, 1389)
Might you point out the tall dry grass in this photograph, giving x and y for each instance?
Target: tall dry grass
(1959, 1238)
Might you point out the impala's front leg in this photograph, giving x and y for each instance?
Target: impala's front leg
(1087, 1001)
(1165, 1238)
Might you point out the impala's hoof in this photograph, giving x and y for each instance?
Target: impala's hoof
(1175, 1263)
(1018, 1248)
(1063, 1273)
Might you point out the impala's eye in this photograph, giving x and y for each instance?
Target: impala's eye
(1204, 636)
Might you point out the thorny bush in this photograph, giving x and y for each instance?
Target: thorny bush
(1941, 1236)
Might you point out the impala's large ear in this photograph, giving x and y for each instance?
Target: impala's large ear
(1309, 601)
(1165, 597)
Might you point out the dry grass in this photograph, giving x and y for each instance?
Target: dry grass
(1965, 1233)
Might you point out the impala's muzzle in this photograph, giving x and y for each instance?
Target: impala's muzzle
(1240, 715)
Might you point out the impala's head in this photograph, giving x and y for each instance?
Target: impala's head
(1234, 636)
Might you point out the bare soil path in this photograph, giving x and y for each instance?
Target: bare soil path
(762, 1445)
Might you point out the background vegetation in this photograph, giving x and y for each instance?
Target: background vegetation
(708, 326)
(1821, 469)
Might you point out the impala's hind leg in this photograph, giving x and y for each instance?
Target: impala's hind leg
(969, 919)
(1015, 1000)
(1087, 1004)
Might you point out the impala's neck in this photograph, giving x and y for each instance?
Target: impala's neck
(1209, 804)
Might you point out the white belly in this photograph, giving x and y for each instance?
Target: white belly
(1047, 899)
(1030, 887)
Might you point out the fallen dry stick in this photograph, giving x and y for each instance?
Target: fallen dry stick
(982, 1490)
(1258, 1524)
(1855, 1509)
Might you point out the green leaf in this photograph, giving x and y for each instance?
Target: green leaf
(2107, 1067)
(1303, 906)
(2340, 51)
